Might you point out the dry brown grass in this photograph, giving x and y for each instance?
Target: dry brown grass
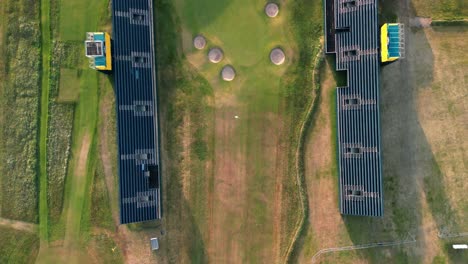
(424, 121)
(443, 114)
(441, 9)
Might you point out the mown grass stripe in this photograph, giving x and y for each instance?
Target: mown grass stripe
(44, 116)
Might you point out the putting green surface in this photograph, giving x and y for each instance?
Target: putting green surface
(239, 27)
(246, 36)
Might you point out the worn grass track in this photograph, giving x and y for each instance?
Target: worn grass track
(44, 115)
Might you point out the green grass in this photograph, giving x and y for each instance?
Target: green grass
(73, 26)
(83, 129)
(20, 104)
(300, 92)
(84, 226)
(245, 40)
(3, 22)
(69, 85)
(18, 246)
(70, 190)
(100, 210)
(44, 116)
(67, 56)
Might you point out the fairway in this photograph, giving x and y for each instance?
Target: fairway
(247, 150)
(238, 189)
(72, 24)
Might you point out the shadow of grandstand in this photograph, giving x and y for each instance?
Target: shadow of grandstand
(204, 12)
(339, 76)
(410, 170)
(182, 239)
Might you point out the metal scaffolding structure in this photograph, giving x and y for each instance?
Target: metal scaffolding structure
(137, 115)
(352, 33)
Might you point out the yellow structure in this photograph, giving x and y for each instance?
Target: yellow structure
(391, 42)
(98, 50)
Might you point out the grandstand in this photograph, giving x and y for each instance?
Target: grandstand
(352, 33)
(137, 115)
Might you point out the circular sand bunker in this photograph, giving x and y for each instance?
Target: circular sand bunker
(277, 56)
(215, 55)
(199, 42)
(272, 10)
(228, 73)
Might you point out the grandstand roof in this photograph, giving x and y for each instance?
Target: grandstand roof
(137, 115)
(352, 33)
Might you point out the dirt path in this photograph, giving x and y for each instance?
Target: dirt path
(75, 205)
(18, 225)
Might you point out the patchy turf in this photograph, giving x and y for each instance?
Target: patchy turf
(235, 172)
(441, 9)
(69, 85)
(442, 113)
(18, 246)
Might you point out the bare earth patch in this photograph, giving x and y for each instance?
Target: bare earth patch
(420, 22)
(18, 225)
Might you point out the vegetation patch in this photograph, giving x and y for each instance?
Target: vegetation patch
(103, 249)
(18, 246)
(300, 93)
(58, 145)
(69, 85)
(60, 122)
(72, 25)
(19, 105)
(100, 211)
